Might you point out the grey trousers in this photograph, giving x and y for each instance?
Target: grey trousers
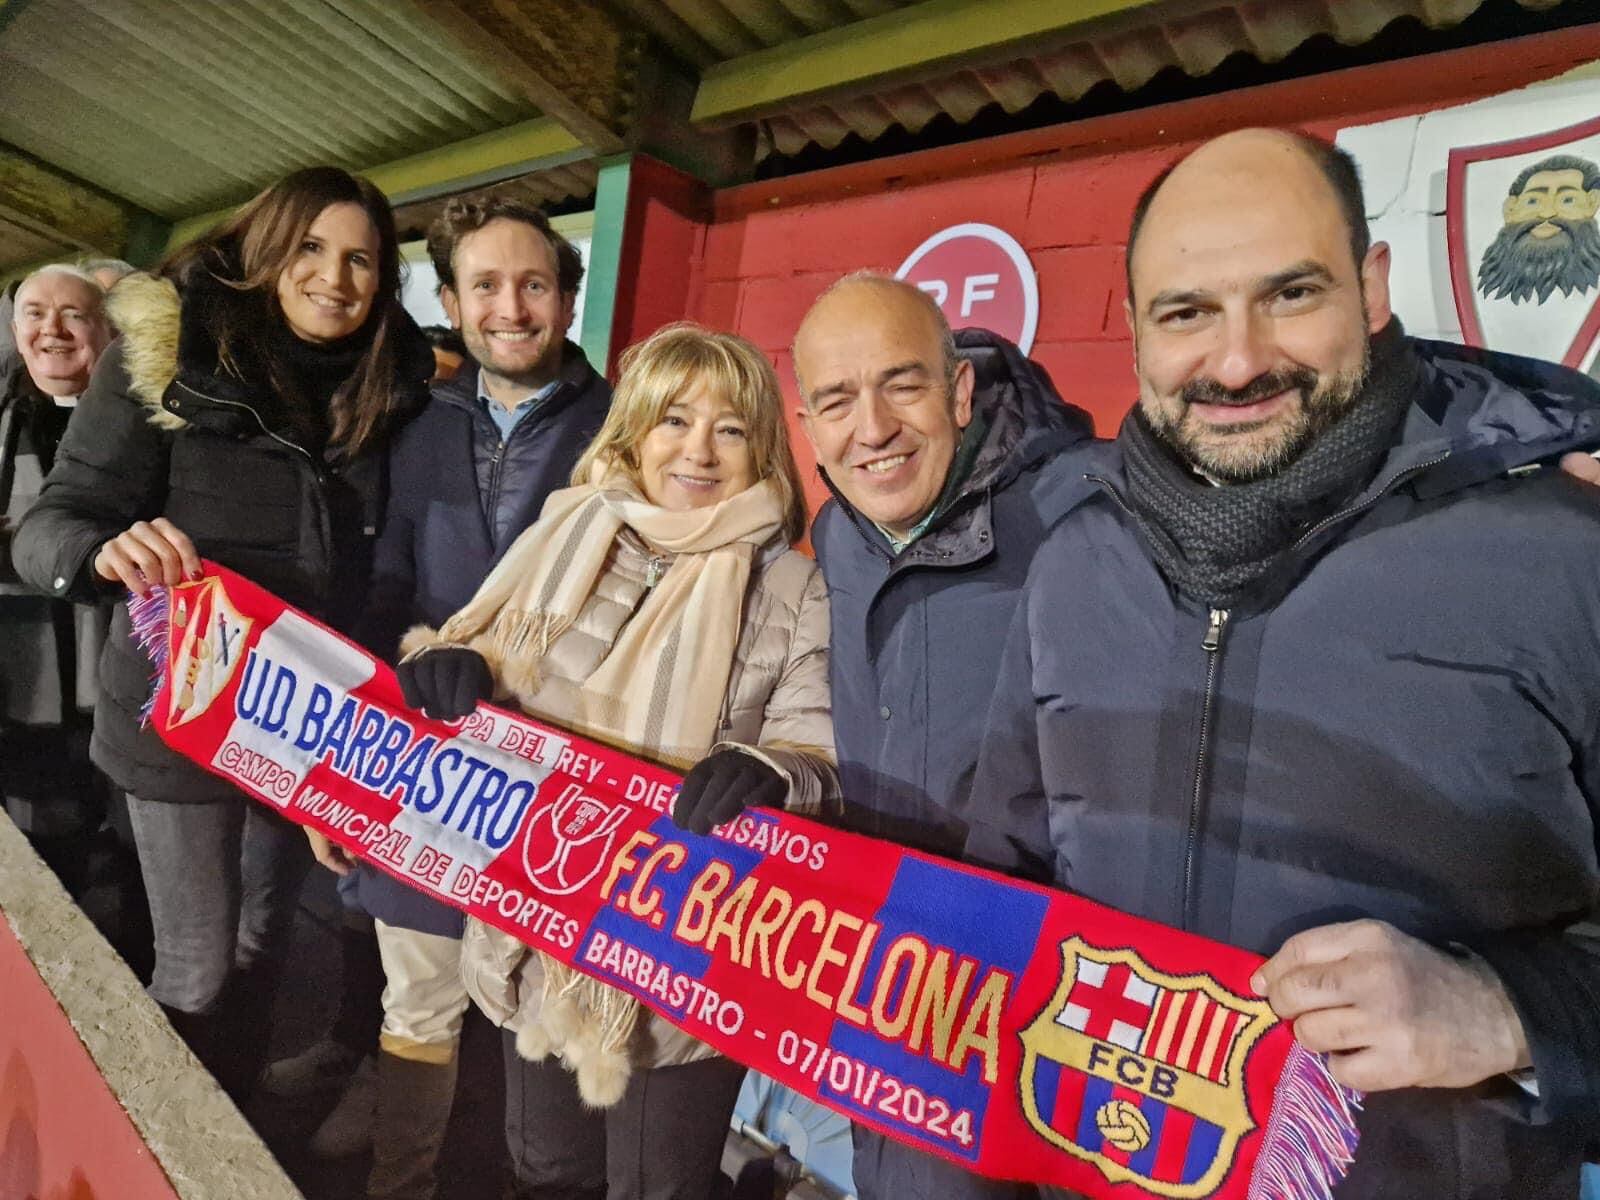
(223, 879)
(662, 1141)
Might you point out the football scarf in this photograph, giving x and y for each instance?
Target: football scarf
(1021, 1032)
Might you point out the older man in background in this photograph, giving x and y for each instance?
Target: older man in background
(59, 328)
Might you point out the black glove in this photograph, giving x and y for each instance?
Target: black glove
(445, 683)
(721, 786)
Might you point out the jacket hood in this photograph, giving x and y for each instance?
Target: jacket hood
(170, 327)
(1491, 413)
(144, 310)
(1027, 419)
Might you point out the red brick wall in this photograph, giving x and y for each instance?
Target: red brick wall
(63, 1135)
(1065, 193)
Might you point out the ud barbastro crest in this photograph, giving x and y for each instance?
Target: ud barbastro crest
(1140, 1073)
(1522, 223)
(207, 634)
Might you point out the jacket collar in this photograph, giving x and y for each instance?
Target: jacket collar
(575, 379)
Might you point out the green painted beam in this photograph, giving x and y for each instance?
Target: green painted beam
(880, 48)
(605, 259)
(478, 161)
(474, 162)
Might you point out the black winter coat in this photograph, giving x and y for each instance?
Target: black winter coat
(164, 430)
(1405, 726)
(916, 636)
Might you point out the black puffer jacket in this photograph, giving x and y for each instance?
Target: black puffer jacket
(165, 430)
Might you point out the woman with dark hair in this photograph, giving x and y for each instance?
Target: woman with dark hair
(242, 417)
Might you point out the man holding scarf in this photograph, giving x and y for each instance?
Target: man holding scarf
(948, 456)
(1313, 674)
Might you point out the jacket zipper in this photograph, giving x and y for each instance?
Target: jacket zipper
(1212, 642)
(1389, 485)
(280, 439)
(495, 460)
(324, 521)
(1216, 628)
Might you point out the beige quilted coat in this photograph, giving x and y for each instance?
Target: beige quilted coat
(776, 707)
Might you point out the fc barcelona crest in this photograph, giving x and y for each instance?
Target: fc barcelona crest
(1139, 1073)
(1524, 243)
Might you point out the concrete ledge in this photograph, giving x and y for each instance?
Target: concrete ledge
(202, 1143)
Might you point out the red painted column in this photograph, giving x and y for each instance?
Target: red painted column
(663, 230)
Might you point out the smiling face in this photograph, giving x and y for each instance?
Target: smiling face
(327, 289)
(878, 409)
(698, 454)
(61, 329)
(507, 302)
(1250, 317)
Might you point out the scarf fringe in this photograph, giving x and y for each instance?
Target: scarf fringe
(148, 616)
(591, 1026)
(1311, 1136)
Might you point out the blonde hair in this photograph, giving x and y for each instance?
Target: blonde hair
(658, 370)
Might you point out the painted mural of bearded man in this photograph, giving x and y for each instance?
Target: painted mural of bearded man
(1549, 241)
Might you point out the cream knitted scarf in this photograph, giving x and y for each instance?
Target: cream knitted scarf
(658, 691)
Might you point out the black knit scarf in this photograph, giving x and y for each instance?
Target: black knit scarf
(309, 374)
(1215, 543)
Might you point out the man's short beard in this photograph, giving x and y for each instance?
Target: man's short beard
(1517, 266)
(1234, 456)
(537, 376)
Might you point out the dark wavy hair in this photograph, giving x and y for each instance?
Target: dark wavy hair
(464, 215)
(251, 250)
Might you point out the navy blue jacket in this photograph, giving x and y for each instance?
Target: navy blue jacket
(916, 636)
(1404, 724)
(459, 496)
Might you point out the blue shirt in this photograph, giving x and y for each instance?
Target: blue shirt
(506, 420)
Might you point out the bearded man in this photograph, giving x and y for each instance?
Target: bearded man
(1549, 242)
(1314, 676)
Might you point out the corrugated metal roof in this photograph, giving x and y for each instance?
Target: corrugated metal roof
(180, 106)
(704, 32)
(544, 189)
(1128, 50)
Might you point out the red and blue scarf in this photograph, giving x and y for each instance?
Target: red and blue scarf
(1020, 1032)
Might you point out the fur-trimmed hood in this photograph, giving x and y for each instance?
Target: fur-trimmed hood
(145, 309)
(171, 330)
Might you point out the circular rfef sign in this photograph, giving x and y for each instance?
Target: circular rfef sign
(979, 275)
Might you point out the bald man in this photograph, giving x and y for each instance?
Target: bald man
(1314, 675)
(948, 457)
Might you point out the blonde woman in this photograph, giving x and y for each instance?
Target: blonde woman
(657, 605)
